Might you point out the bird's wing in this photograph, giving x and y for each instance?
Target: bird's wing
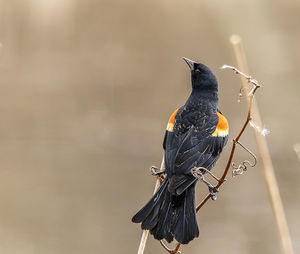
(199, 146)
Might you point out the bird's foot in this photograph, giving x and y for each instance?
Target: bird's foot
(198, 173)
(213, 190)
(155, 171)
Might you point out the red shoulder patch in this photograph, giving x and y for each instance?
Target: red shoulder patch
(222, 126)
(170, 125)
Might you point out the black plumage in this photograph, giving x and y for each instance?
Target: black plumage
(191, 142)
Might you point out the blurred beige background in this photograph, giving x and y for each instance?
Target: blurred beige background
(86, 88)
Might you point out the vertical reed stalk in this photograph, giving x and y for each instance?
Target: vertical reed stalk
(146, 232)
(268, 170)
(297, 150)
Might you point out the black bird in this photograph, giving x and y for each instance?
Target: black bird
(195, 136)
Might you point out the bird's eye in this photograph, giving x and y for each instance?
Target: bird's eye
(197, 70)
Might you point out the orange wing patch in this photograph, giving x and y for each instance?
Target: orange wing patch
(170, 125)
(222, 127)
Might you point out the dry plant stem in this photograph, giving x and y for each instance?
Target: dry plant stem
(146, 232)
(235, 141)
(268, 170)
(175, 251)
(297, 150)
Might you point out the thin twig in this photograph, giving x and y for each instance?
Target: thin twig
(255, 86)
(269, 175)
(146, 232)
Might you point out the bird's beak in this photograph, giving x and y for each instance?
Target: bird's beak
(190, 63)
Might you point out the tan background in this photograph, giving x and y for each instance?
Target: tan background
(86, 88)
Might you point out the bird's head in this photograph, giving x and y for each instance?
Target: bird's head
(202, 77)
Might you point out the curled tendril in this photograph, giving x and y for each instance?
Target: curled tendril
(175, 251)
(242, 167)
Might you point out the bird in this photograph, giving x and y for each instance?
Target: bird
(195, 136)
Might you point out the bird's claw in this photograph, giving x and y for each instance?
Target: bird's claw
(155, 171)
(213, 191)
(196, 172)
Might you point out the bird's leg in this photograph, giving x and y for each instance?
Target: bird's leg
(196, 172)
(210, 173)
(212, 189)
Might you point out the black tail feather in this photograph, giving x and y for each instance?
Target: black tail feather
(163, 229)
(186, 224)
(168, 216)
(147, 209)
(151, 219)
